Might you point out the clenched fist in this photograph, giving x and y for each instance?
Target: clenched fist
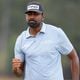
(17, 66)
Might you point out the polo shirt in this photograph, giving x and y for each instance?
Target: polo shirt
(42, 53)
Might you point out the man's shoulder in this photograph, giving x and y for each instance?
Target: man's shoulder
(22, 34)
(52, 27)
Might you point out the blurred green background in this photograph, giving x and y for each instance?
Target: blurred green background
(61, 13)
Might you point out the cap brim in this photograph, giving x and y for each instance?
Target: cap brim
(33, 11)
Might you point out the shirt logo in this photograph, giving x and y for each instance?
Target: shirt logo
(33, 7)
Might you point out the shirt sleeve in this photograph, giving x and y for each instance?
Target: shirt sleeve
(65, 46)
(17, 50)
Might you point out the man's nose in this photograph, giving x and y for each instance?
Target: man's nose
(32, 16)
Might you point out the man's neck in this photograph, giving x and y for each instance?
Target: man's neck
(34, 31)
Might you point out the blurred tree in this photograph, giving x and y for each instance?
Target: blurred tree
(5, 29)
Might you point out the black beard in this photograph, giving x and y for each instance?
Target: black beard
(33, 24)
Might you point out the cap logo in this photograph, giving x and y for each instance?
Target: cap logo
(33, 7)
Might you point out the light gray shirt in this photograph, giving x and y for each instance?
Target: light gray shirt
(42, 53)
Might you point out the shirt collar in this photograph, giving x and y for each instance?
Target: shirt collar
(43, 29)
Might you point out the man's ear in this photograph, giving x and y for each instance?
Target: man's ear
(43, 17)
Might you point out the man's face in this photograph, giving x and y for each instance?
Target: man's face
(34, 19)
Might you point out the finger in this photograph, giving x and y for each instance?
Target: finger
(16, 60)
(17, 65)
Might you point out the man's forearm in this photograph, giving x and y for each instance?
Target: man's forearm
(75, 69)
(74, 64)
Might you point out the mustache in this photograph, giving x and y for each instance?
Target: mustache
(32, 21)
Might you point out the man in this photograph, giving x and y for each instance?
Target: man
(41, 47)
